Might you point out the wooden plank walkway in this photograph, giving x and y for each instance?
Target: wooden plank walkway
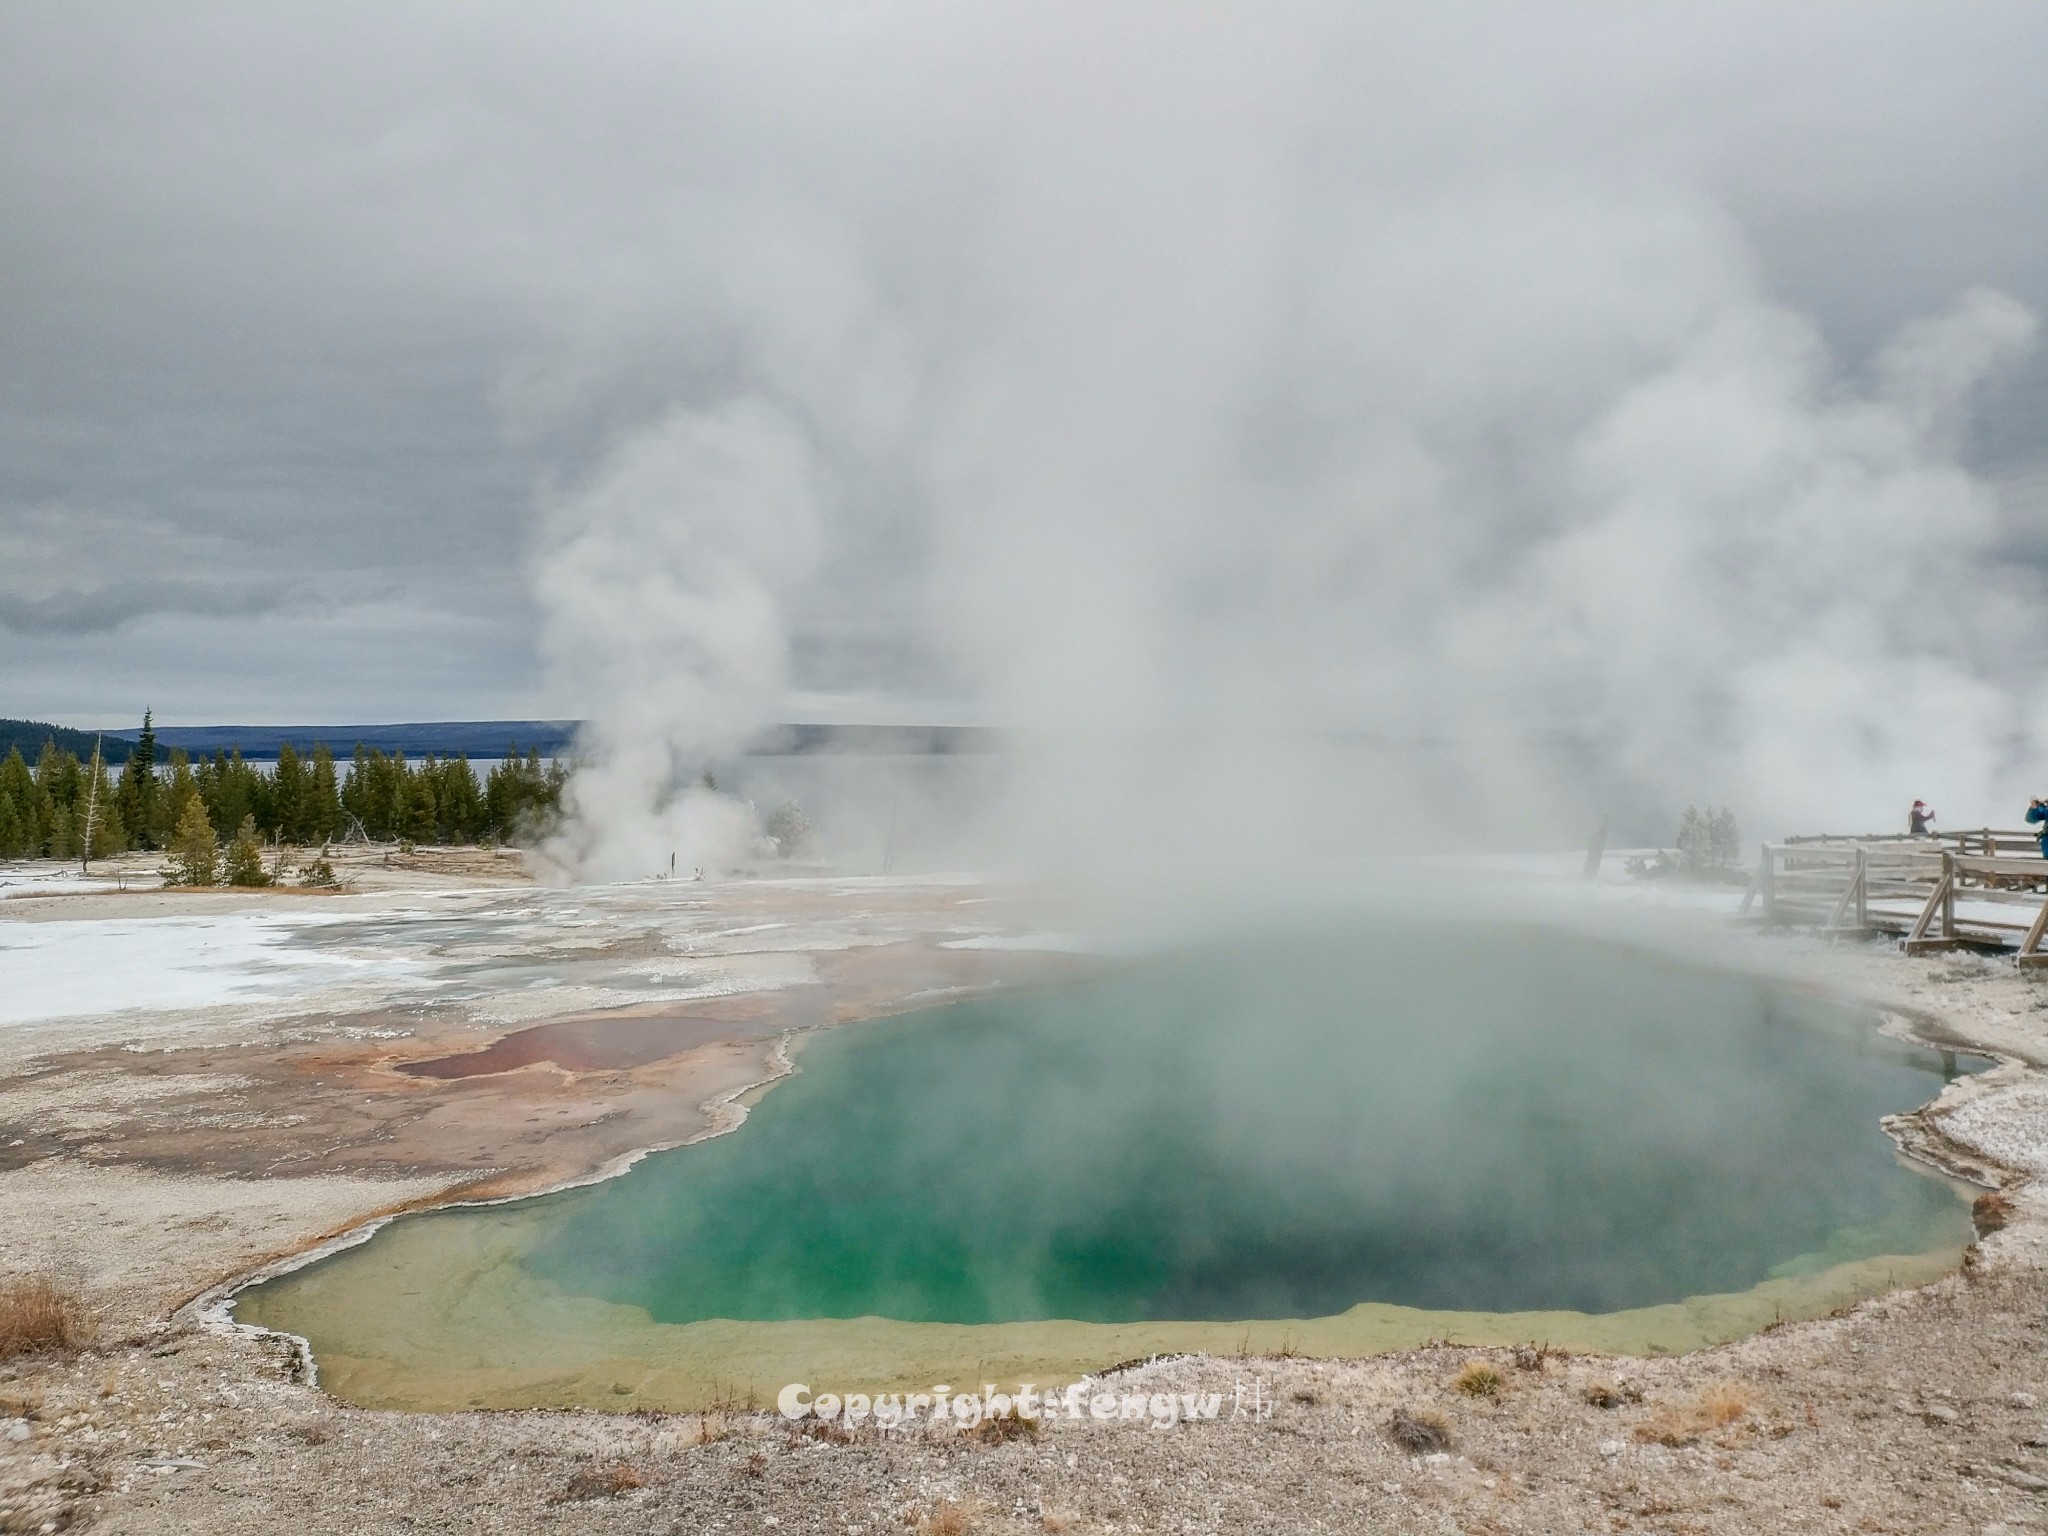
(1985, 890)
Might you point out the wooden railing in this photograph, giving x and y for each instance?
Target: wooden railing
(1950, 892)
(1991, 842)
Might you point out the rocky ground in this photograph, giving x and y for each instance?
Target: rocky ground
(1920, 1411)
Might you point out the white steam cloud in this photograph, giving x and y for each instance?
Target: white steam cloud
(1299, 430)
(661, 581)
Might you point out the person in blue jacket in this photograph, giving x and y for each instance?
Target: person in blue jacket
(2038, 812)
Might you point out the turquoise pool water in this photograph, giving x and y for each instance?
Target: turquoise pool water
(1284, 1128)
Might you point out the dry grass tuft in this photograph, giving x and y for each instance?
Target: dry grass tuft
(602, 1483)
(1669, 1425)
(1006, 1427)
(1724, 1402)
(1419, 1431)
(1480, 1378)
(1716, 1407)
(1058, 1520)
(40, 1317)
(955, 1517)
(1532, 1357)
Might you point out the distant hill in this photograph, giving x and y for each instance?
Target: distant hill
(552, 738)
(443, 738)
(29, 735)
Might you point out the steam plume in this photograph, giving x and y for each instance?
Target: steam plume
(1302, 458)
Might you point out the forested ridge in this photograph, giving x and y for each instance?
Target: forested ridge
(29, 736)
(306, 800)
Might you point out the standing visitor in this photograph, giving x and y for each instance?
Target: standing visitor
(1920, 821)
(2038, 812)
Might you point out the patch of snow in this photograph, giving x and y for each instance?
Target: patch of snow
(100, 966)
(45, 877)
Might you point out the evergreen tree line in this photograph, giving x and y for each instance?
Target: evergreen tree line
(305, 800)
(1709, 844)
(1708, 839)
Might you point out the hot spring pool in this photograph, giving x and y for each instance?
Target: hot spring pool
(1338, 1143)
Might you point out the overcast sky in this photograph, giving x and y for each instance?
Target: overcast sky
(309, 313)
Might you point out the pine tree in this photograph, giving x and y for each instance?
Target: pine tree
(18, 791)
(289, 796)
(244, 863)
(138, 796)
(195, 852)
(1724, 837)
(1693, 848)
(521, 798)
(325, 817)
(376, 793)
(461, 801)
(58, 783)
(422, 822)
(178, 791)
(65, 821)
(13, 838)
(789, 829)
(233, 789)
(109, 834)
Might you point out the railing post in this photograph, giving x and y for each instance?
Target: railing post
(2030, 946)
(1862, 890)
(1850, 899)
(1948, 895)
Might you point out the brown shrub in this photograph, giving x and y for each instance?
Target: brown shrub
(1990, 1212)
(40, 1317)
(1603, 1393)
(602, 1483)
(1419, 1431)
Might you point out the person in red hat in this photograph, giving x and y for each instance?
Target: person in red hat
(1921, 821)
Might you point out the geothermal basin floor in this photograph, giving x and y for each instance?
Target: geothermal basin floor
(237, 1098)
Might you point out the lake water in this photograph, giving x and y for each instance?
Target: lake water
(1352, 1136)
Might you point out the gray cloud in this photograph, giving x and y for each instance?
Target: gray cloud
(106, 608)
(312, 304)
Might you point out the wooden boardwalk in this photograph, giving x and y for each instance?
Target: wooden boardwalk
(1985, 889)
